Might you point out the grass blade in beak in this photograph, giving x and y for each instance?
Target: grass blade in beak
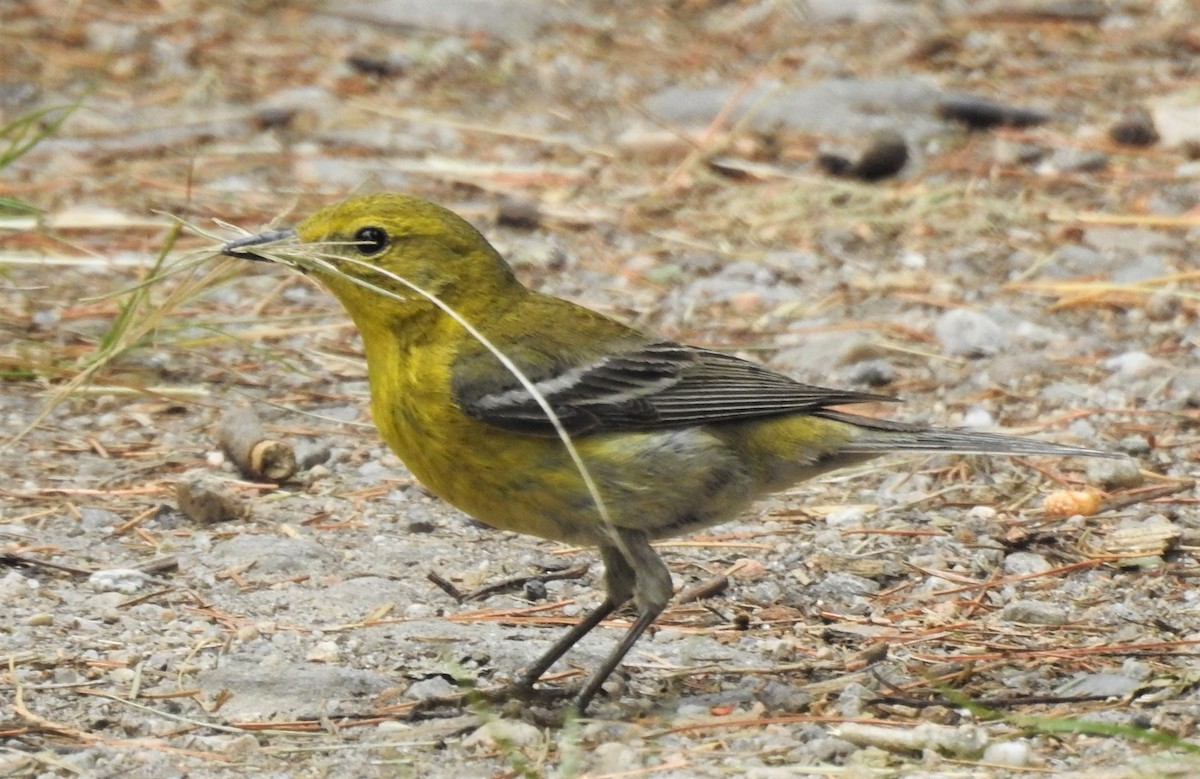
(242, 247)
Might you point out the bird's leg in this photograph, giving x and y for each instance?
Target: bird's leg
(634, 566)
(534, 672)
(633, 569)
(619, 579)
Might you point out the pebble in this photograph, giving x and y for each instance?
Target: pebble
(391, 727)
(97, 519)
(1134, 129)
(839, 585)
(852, 700)
(207, 499)
(242, 747)
(324, 652)
(123, 580)
(1134, 365)
(1019, 563)
(504, 733)
(968, 333)
(1176, 123)
(1115, 474)
(14, 586)
(839, 107)
(41, 619)
(419, 611)
(979, 418)
(433, 687)
(1035, 612)
(614, 758)
(872, 373)
(1162, 306)
(311, 453)
(1015, 754)
(846, 515)
(1109, 685)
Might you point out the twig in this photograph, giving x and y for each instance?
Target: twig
(445, 586)
(515, 582)
(1134, 497)
(14, 559)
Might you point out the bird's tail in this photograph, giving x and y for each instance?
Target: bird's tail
(880, 436)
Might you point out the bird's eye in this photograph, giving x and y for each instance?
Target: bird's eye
(370, 240)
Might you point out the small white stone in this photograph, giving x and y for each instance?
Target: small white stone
(122, 580)
(1020, 563)
(965, 332)
(846, 515)
(1010, 753)
(978, 418)
(502, 732)
(1134, 365)
(324, 652)
(392, 727)
(419, 611)
(14, 586)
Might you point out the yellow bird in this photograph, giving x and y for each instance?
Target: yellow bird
(539, 416)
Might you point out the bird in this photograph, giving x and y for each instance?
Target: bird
(537, 415)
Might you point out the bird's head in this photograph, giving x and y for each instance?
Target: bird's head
(371, 249)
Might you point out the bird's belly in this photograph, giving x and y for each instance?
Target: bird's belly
(663, 483)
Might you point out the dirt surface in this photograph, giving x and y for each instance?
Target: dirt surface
(1030, 268)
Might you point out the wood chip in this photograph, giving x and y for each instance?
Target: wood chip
(257, 456)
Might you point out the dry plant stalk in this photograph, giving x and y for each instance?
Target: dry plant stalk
(138, 317)
(257, 456)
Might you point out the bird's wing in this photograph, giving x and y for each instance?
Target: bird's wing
(645, 386)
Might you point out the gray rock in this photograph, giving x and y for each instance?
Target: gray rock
(505, 734)
(514, 20)
(835, 107)
(970, 333)
(433, 687)
(839, 586)
(1035, 612)
(123, 580)
(1110, 685)
(1115, 474)
(1019, 563)
(97, 519)
(777, 696)
(872, 373)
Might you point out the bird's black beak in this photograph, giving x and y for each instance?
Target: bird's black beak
(243, 248)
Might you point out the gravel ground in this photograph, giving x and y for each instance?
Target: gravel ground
(722, 173)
